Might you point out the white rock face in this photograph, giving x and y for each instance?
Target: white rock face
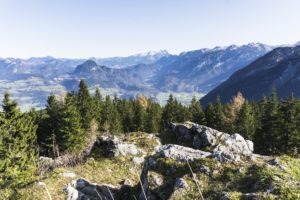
(73, 194)
(226, 148)
(81, 189)
(138, 161)
(181, 153)
(127, 149)
(116, 147)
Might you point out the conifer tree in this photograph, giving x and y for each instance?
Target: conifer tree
(127, 115)
(197, 113)
(84, 104)
(17, 146)
(219, 119)
(245, 121)
(209, 115)
(270, 122)
(139, 116)
(97, 104)
(260, 136)
(290, 126)
(106, 112)
(153, 118)
(48, 129)
(231, 112)
(169, 112)
(72, 137)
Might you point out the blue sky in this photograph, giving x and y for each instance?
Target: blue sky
(103, 28)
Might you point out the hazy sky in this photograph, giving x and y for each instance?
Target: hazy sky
(101, 28)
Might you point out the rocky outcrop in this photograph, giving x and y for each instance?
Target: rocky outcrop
(81, 189)
(181, 153)
(225, 147)
(114, 146)
(180, 187)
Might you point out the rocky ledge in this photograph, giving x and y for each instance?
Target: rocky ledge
(204, 162)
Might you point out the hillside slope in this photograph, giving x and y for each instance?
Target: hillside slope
(279, 68)
(119, 168)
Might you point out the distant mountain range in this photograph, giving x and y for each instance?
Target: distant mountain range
(190, 72)
(279, 68)
(155, 74)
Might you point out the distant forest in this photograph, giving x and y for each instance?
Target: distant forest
(66, 124)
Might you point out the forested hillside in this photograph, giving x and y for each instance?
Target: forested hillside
(69, 126)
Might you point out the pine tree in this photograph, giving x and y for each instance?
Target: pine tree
(72, 137)
(84, 104)
(260, 137)
(169, 112)
(48, 129)
(153, 118)
(127, 115)
(97, 104)
(115, 124)
(290, 127)
(139, 116)
(245, 121)
(17, 146)
(219, 119)
(270, 127)
(106, 112)
(209, 115)
(197, 113)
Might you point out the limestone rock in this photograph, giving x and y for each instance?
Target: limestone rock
(126, 149)
(204, 169)
(226, 148)
(138, 161)
(115, 147)
(181, 153)
(81, 189)
(180, 188)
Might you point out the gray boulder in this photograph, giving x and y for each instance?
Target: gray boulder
(225, 147)
(181, 153)
(182, 132)
(81, 189)
(180, 188)
(138, 161)
(115, 147)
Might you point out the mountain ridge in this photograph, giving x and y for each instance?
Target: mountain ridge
(279, 68)
(193, 72)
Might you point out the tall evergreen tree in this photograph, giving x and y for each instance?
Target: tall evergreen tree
(196, 111)
(153, 118)
(127, 115)
(48, 129)
(270, 123)
(17, 146)
(70, 129)
(219, 119)
(139, 116)
(260, 134)
(209, 115)
(97, 105)
(169, 112)
(84, 104)
(290, 126)
(245, 121)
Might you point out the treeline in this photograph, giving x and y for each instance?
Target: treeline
(273, 125)
(66, 124)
